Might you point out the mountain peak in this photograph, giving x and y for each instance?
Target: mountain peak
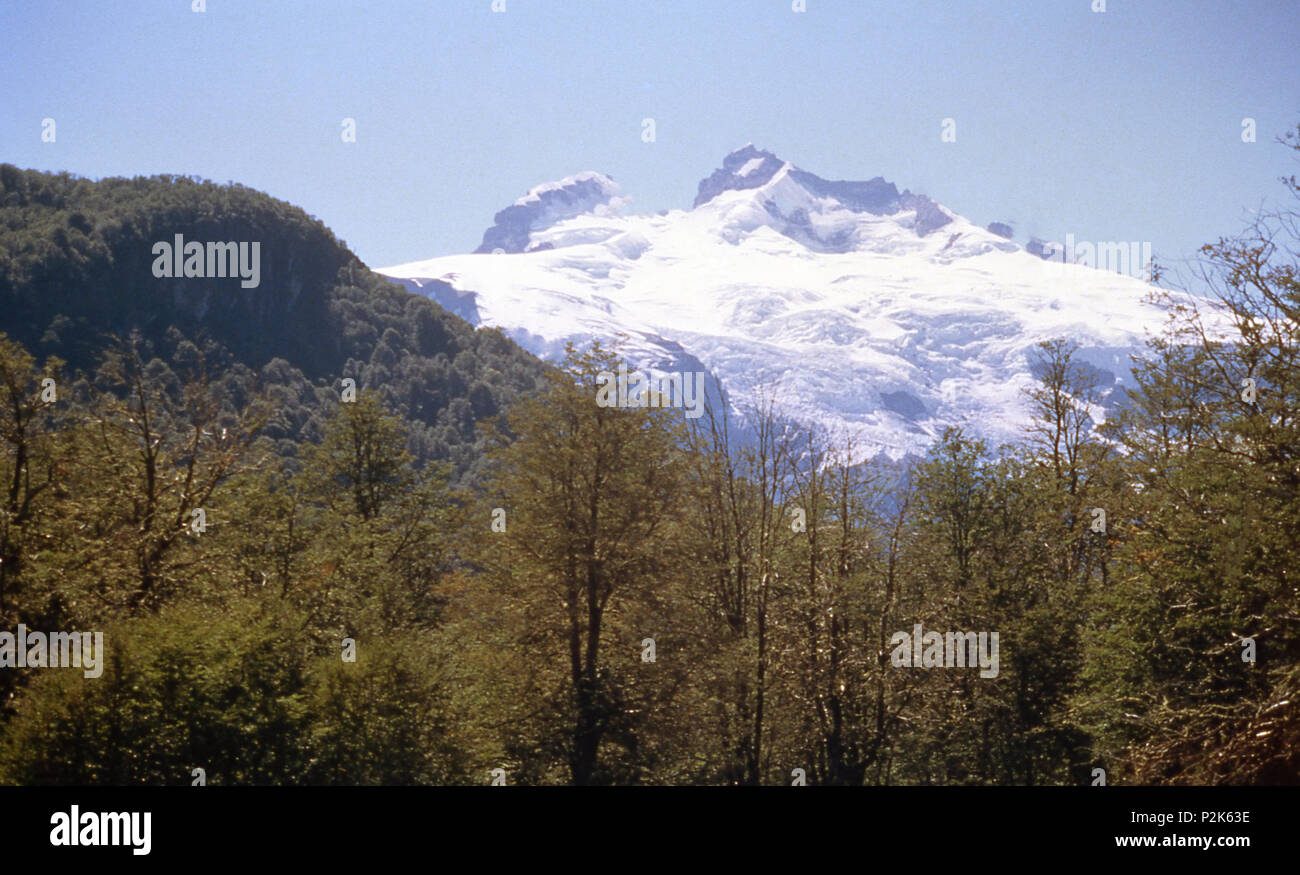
(546, 204)
(749, 168)
(746, 168)
(823, 214)
(929, 322)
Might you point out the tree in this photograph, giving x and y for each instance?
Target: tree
(1209, 574)
(362, 456)
(589, 493)
(29, 465)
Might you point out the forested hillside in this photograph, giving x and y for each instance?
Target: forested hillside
(76, 280)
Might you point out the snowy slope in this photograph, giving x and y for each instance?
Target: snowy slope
(866, 309)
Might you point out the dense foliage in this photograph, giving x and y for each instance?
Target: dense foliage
(622, 596)
(76, 259)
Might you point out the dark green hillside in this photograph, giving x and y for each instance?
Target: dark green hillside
(76, 261)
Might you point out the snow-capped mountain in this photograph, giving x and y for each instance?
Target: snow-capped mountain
(872, 311)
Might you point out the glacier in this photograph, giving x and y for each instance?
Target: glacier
(881, 315)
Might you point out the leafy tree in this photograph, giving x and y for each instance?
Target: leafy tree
(589, 493)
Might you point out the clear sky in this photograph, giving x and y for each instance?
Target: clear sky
(1122, 125)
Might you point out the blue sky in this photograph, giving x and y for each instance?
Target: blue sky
(1123, 125)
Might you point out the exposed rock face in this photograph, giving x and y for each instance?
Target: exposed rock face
(546, 205)
(929, 215)
(743, 169)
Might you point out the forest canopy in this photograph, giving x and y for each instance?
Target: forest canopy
(471, 571)
(76, 280)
